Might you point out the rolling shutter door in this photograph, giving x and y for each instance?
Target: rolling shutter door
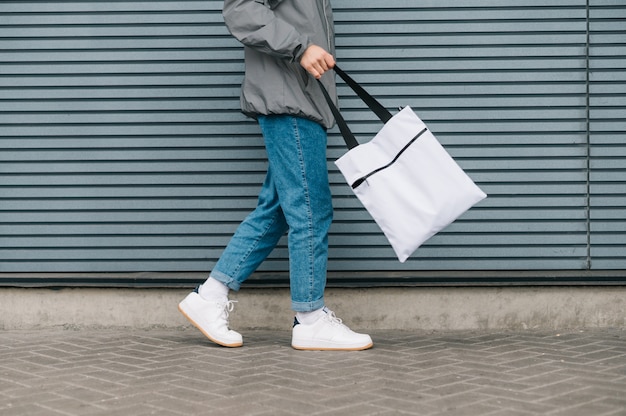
(123, 151)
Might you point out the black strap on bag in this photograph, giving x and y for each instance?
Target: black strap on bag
(383, 114)
(377, 108)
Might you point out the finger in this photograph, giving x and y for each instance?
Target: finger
(329, 60)
(314, 72)
(318, 70)
(324, 63)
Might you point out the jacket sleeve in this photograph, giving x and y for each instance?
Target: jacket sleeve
(256, 26)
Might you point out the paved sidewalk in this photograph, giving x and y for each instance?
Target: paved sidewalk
(176, 372)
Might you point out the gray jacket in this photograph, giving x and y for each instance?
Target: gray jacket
(275, 34)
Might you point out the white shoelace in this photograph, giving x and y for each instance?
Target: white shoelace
(334, 319)
(228, 307)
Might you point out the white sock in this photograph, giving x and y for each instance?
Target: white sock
(309, 318)
(213, 289)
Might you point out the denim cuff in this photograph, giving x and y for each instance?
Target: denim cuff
(307, 306)
(227, 280)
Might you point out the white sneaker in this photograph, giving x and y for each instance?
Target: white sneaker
(211, 318)
(328, 333)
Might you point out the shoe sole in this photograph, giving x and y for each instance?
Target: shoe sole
(306, 348)
(223, 344)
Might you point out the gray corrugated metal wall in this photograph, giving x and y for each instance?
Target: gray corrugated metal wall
(122, 149)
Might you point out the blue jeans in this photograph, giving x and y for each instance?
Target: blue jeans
(295, 197)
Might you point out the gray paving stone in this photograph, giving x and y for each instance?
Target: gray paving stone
(585, 409)
(177, 372)
(27, 409)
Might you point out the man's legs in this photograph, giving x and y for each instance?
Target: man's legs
(295, 196)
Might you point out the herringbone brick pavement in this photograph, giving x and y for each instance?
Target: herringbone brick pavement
(176, 372)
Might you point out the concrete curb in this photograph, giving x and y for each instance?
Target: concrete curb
(363, 309)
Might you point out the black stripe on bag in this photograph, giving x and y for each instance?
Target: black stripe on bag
(359, 181)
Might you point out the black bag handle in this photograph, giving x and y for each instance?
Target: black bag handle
(377, 108)
(383, 114)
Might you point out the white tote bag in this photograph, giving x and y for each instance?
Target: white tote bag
(404, 178)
